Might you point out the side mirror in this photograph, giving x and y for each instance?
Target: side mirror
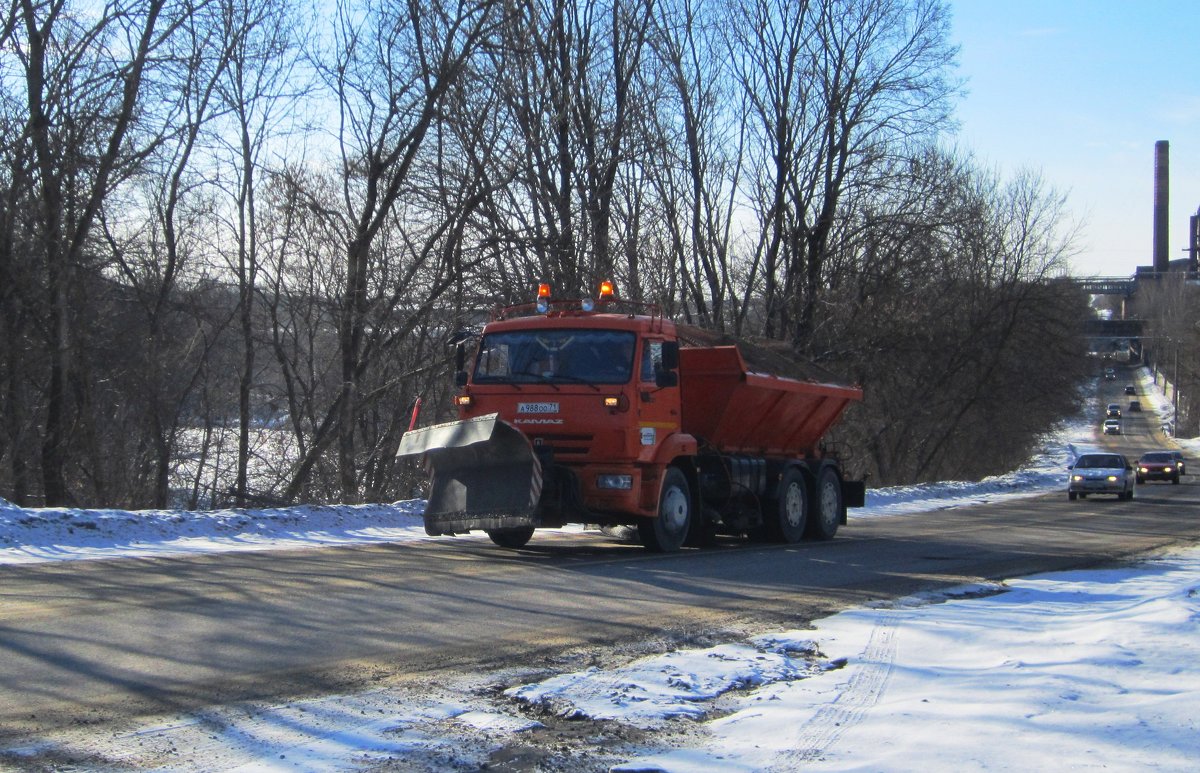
(670, 355)
(665, 375)
(460, 365)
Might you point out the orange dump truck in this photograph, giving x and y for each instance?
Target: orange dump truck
(580, 412)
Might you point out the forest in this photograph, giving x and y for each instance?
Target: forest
(239, 237)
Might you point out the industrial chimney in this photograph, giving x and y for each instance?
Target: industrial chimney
(1162, 165)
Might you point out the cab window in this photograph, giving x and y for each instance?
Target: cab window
(651, 359)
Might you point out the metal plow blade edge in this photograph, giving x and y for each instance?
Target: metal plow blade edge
(483, 475)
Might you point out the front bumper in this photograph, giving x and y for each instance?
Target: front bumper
(1097, 486)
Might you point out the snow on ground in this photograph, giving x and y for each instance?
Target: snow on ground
(1078, 670)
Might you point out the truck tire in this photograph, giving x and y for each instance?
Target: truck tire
(789, 518)
(828, 506)
(666, 533)
(511, 538)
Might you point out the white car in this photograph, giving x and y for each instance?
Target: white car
(1112, 427)
(1101, 473)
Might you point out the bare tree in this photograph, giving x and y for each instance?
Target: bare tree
(89, 127)
(699, 167)
(573, 85)
(835, 87)
(394, 66)
(259, 90)
(964, 384)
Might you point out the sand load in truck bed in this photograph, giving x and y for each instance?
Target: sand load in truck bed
(738, 411)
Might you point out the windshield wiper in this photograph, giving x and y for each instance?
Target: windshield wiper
(538, 377)
(498, 380)
(576, 380)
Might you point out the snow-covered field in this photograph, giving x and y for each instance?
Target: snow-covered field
(1080, 670)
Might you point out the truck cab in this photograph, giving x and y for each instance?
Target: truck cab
(597, 398)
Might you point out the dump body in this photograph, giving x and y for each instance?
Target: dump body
(737, 411)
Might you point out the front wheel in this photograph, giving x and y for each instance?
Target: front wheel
(1071, 495)
(666, 533)
(511, 538)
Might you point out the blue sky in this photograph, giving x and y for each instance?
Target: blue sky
(1081, 91)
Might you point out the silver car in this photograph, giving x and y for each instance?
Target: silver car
(1101, 473)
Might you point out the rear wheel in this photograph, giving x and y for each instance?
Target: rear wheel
(666, 533)
(789, 513)
(511, 538)
(829, 506)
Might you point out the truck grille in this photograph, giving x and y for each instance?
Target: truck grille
(564, 446)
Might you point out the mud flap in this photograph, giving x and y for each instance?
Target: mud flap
(854, 494)
(483, 475)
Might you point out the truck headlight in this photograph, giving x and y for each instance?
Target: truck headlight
(620, 482)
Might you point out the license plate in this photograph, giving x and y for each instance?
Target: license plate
(537, 407)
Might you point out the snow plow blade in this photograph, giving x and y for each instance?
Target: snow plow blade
(483, 474)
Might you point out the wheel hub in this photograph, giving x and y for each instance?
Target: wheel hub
(674, 510)
(794, 506)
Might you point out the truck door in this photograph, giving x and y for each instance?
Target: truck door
(658, 407)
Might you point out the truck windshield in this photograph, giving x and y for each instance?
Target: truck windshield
(556, 356)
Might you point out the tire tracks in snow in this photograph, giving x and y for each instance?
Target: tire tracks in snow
(869, 675)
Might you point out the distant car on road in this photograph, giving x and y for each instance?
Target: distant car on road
(1110, 374)
(1135, 406)
(1157, 465)
(1114, 411)
(1112, 427)
(1129, 390)
(1101, 473)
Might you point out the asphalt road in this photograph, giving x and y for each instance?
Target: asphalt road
(90, 642)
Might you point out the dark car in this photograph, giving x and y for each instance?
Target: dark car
(1129, 390)
(1135, 406)
(1179, 461)
(1114, 411)
(1157, 465)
